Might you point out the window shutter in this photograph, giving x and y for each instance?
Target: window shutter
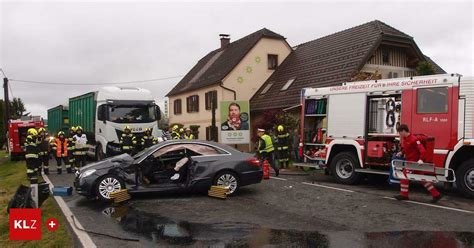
(197, 103)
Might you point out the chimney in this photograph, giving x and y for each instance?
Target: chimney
(225, 40)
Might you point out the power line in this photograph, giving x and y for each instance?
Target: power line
(129, 82)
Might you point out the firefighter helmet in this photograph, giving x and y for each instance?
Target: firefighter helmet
(280, 128)
(78, 128)
(41, 129)
(32, 132)
(73, 128)
(60, 133)
(127, 128)
(175, 128)
(147, 129)
(181, 130)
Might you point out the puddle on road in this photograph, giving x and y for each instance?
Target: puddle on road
(164, 231)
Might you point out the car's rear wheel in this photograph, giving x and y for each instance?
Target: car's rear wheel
(107, 185)
(228, 179)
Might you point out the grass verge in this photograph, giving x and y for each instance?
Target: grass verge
(12, 174)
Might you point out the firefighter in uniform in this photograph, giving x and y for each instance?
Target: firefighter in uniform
(174, 132)
(31, 156)
(188, 135)
(414, 152)
(128, 141)
(43, 147)
(283, 145)
(265, 149)
(80, 148)
(60, 149)
(181, 133)
(71, 149)
(148, 139)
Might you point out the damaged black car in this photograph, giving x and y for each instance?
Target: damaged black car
(170, 166)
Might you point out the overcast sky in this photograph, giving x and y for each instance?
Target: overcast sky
(104, 42)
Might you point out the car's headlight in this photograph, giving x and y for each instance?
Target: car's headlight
(86, 173)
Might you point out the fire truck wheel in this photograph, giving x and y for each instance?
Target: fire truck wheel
(343, 167)
(465, 178)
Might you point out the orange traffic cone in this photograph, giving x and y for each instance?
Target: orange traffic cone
(266, 170)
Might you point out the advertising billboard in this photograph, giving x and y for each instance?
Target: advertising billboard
(235, 122)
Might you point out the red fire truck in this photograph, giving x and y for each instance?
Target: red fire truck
(17, 133)
(350, 129)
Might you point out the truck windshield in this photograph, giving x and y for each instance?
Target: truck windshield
(132, 114)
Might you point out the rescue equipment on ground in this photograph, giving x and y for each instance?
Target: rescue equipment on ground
(120, 196)
(218, 192)
(62, 191)
(266, 170)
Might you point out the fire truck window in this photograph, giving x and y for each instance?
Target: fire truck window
(432, 100)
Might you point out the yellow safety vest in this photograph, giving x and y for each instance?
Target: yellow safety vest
(268, 143)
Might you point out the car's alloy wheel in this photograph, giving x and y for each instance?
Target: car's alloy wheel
(108, 185)
(228, 180)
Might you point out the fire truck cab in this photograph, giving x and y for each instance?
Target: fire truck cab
(17, 133)
(351, 129)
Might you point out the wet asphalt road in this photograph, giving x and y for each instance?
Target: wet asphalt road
(285, 212)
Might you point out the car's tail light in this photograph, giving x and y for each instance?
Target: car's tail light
(253, 162)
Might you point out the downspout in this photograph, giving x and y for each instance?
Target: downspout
(229, 89)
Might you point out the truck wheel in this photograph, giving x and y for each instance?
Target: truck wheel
(465, 178)
(99, 153)
(343, 167)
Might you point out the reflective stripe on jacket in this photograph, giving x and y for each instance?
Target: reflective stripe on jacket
(31, 147)
(61, 148)
(128, 141)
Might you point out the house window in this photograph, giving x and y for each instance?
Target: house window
(272, 61)
(177, 106)
(288, 84)
(385, 56)
(192, 104)
(265, 90)
(209, 96)
(393, 75)
(432, 100)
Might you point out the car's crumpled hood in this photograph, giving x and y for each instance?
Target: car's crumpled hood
(123, 160)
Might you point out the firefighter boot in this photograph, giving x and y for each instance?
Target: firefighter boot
(46, 171)
(69, 170)
(60, 171)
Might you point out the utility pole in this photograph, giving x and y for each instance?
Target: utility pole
(6, 116)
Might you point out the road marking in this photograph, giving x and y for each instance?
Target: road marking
(279, 178)
(328, 187)
(84, 238)
(432, 205)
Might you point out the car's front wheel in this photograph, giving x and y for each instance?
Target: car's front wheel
(107, 185)
(228, 179)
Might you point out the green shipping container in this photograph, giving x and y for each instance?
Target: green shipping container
(58, 119)
(82, 112)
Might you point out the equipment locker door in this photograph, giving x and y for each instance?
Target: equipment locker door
(346, 115)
